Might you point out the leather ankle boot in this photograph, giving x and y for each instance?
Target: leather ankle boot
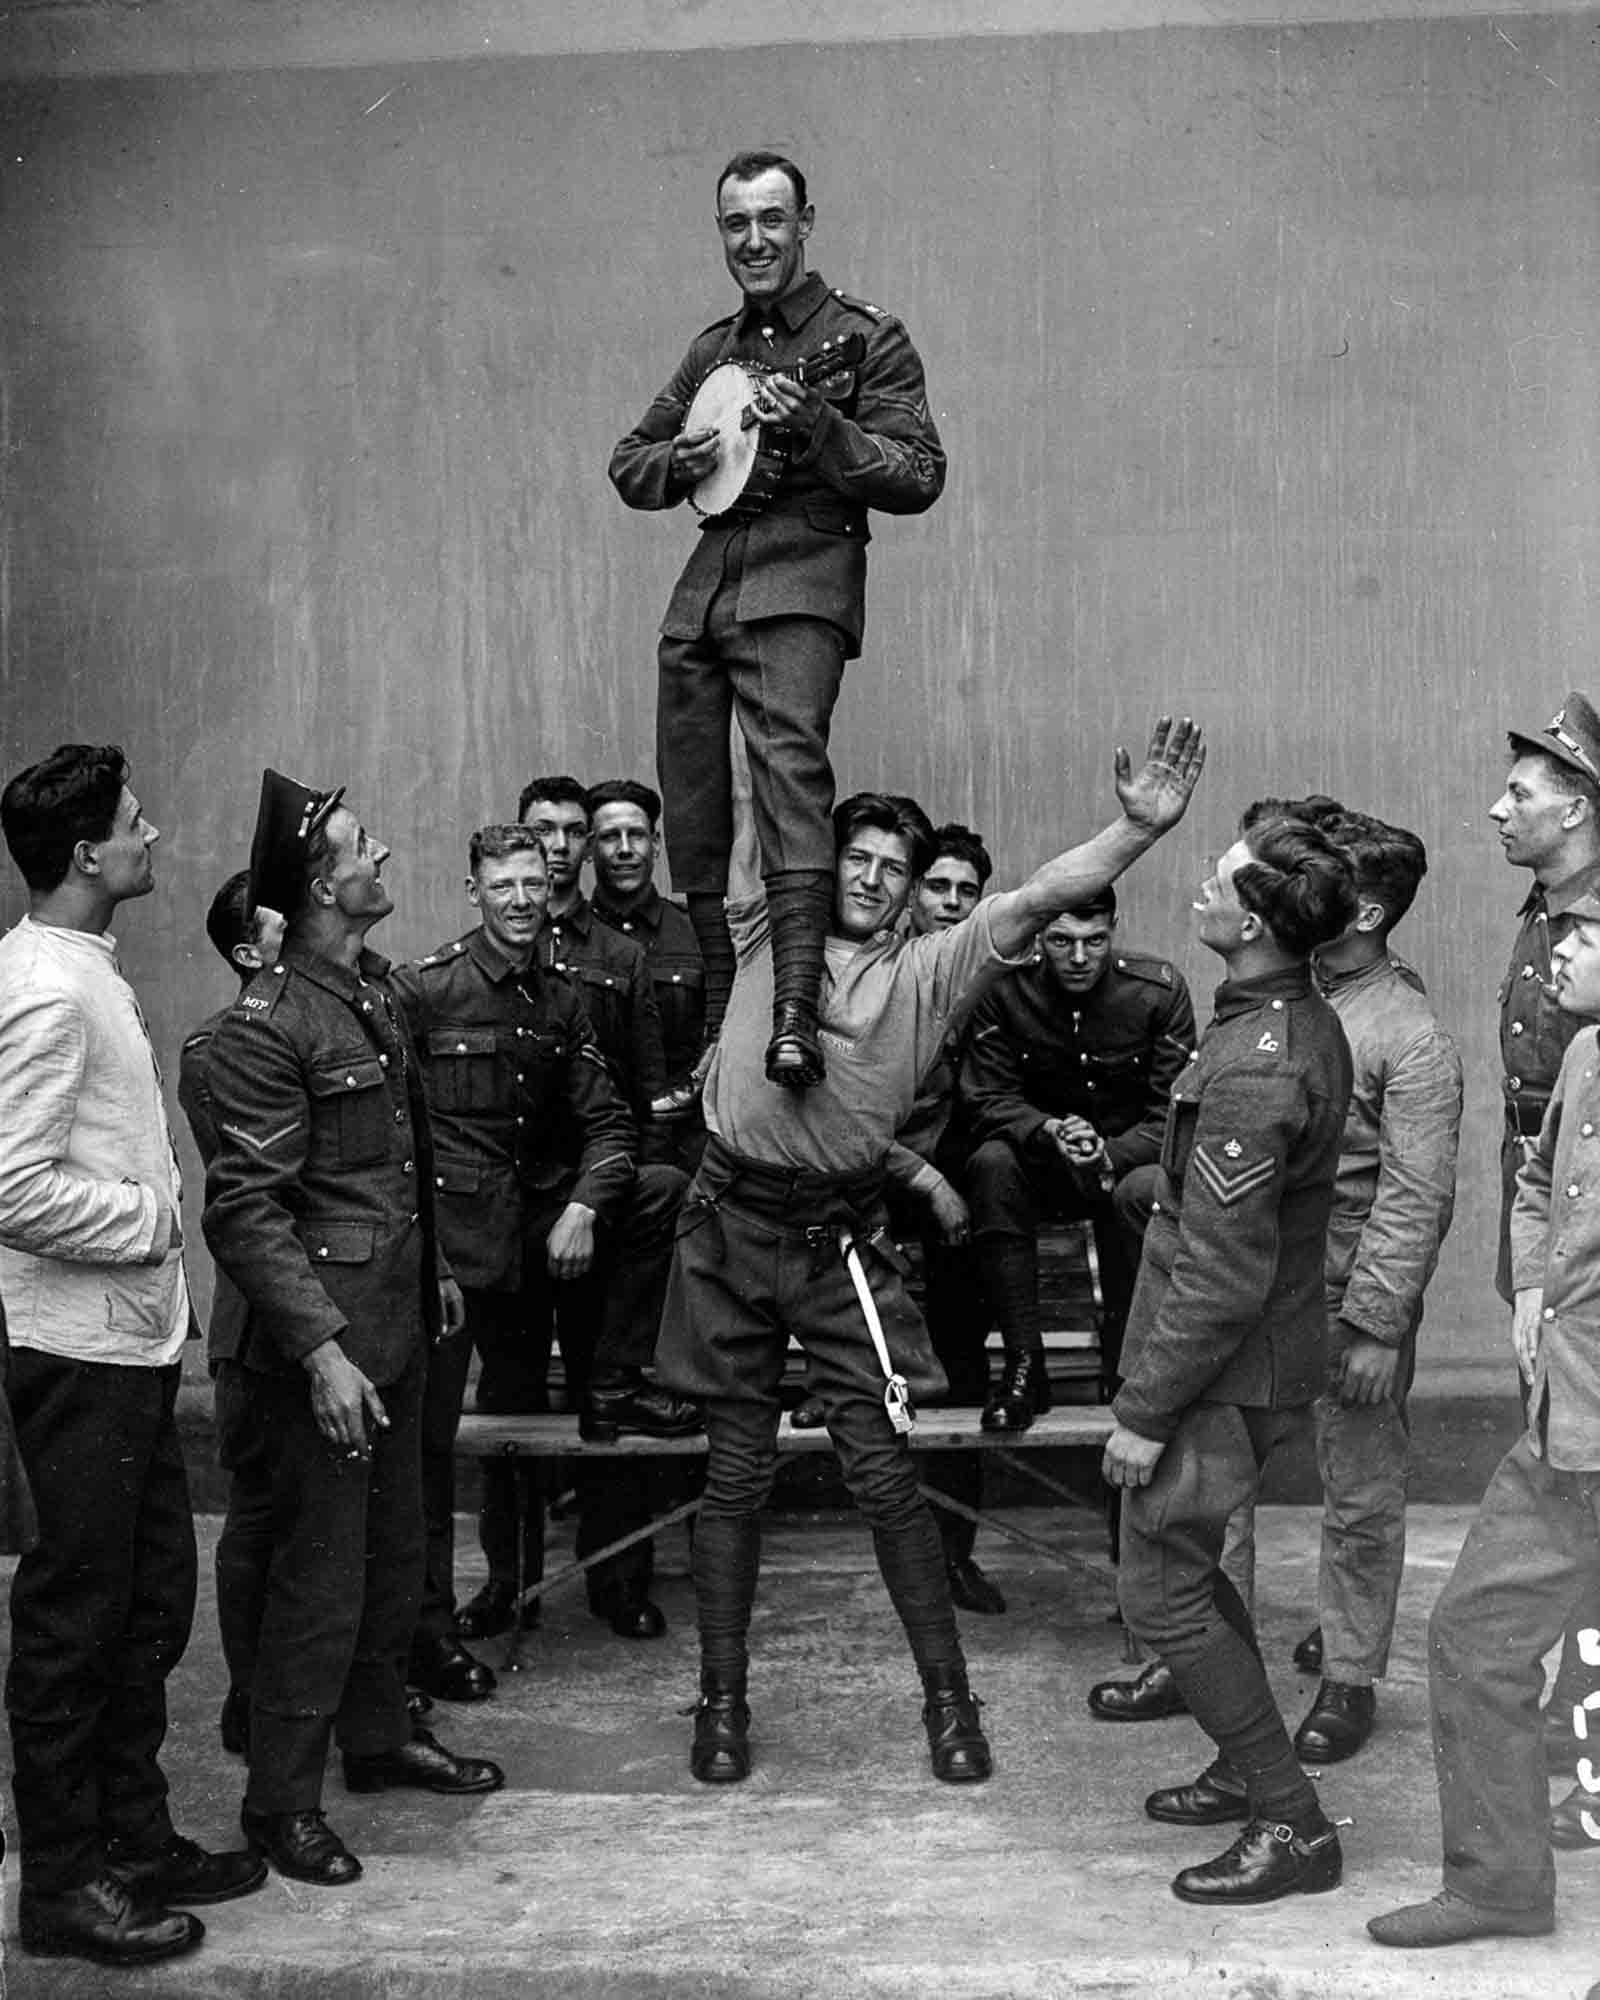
(720, 1753)
(956, 1741)
(1024, 1392)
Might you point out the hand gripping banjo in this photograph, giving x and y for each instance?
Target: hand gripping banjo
(749, 465)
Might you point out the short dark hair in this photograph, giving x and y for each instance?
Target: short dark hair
(1297, 882)
(891, 812)
(230, 921)
(747, 166)
(560, 791)
(1102, 904)
(69, 796)
(1389, 861)
(960, 843)
(1316, 809)
(496, 841)
(625, 792)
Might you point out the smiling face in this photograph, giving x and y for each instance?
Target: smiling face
(871, 882)
(1077, 951)
(510, 893)
(623, 848)
(945, 895)
(1533, 816)
(353, 876)
(124, 860)
(763, 234)
(1575, 965)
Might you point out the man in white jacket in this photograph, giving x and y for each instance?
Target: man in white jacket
(91, 1270)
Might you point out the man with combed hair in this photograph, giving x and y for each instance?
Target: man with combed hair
(783, 1232)
(1531, 1560)
(772, 602)
(1224, 1349)
(92, 1273)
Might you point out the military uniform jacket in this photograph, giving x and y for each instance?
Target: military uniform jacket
(1111, 1057)
(611, 975)
(1229, 1303)
(319, 1198)
(875, 445)
(663, 932)
(229, 1312)
(1534, 1031)
(524, 1109)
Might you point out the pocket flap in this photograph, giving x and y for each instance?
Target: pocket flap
(461, 1042)
(340, 1242)
(452, 1178)
(363, 1072)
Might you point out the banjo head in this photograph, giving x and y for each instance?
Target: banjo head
(719, 405)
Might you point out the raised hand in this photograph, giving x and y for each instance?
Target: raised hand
(1157, 795)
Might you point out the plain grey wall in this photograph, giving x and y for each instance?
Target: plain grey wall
(1264, 357)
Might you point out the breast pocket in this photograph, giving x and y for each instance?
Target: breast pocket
(461, 1069)
(351, 1107)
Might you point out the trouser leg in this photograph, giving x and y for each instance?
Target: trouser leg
(1005, 1233)
(957, 1312)
(515, 1380)
(614, 1496)
(1531, 1553)
(100, 1610)
(634, 1257)
(446, 1382)
(1363, 1452)
(742, 1457)
(372, 1715)
(1177, 1600)
(244, 1547)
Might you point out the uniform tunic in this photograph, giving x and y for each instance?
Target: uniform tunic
(612, 978)
(767, 611)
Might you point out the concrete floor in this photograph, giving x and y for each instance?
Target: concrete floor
(841, 1868)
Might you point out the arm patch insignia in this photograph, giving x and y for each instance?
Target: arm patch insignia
(1228, 1183)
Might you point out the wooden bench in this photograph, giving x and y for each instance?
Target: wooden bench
(519, 1439)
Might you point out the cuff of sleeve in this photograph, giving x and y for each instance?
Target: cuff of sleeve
(926, 1180)
(817, 443)
(1159, 1430)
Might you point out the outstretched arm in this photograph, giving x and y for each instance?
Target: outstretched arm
(1153, 799)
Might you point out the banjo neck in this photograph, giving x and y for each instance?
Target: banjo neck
(833, 357)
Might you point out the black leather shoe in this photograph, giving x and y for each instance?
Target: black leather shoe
(1307, 1656)
(720, 1752)
(1566, 1820)
(808, 1416)
(631, 1617)
(1266, 1861)
(1149, 1698)
(103, 1922)
(1339, 1722)
(971, 1589)
(956, 1741)
(488, 1612)
(301, 1845)
(423, 1765)
(1450, 1919)
(639, 1406)
(1214, 1796)
(233, 1725)
(444, 1668)
(183, 1873)
(1023, 1394)
(794, 1055)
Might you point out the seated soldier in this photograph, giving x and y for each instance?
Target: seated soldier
(537, 1192)
(1063, 1093)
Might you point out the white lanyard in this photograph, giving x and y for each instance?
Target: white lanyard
(896, 1393)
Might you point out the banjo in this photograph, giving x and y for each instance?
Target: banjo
(749, 466)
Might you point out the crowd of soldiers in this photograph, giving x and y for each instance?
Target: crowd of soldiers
(517, 1140)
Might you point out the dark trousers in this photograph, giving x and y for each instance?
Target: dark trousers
(1530, 1559)
(244, 1547)
(740, 1285)
(100, 1611)
(1010, 1196)
(781, 676)
(342, 1585)
(1176, 1599)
